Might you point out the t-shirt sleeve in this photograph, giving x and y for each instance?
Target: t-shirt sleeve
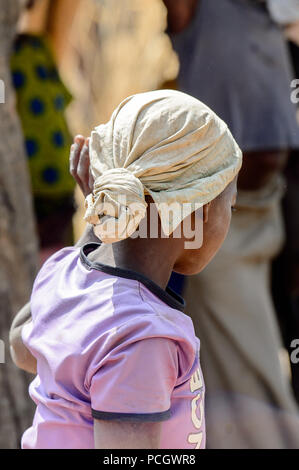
(136, 382)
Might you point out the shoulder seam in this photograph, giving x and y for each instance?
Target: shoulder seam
(140, 286)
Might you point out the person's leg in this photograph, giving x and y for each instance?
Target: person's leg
(257, 169)
(285, 283)
(260, 167)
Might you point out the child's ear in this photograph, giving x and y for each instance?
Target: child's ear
(206, 209)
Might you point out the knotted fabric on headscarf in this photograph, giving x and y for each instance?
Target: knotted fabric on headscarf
(163, 143)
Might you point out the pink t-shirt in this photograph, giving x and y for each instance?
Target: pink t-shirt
(110, 344)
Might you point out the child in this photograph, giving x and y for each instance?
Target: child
(117, 359)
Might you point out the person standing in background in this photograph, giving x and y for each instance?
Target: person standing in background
(234, 58)
(42, 99)
(285, 270)
(18, 241)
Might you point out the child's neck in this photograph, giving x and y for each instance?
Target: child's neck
(152, 258)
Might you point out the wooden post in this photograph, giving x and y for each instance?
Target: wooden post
(18, 243)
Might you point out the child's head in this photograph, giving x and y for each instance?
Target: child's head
(214, 223)
(169, 147)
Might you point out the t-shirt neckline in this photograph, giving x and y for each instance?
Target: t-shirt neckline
(168, 296)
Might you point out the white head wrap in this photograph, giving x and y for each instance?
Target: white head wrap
(163, 143)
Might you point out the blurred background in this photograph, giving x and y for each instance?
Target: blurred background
(66, 64)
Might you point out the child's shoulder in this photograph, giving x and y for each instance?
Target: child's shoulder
(55, 263)
(60, 255)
